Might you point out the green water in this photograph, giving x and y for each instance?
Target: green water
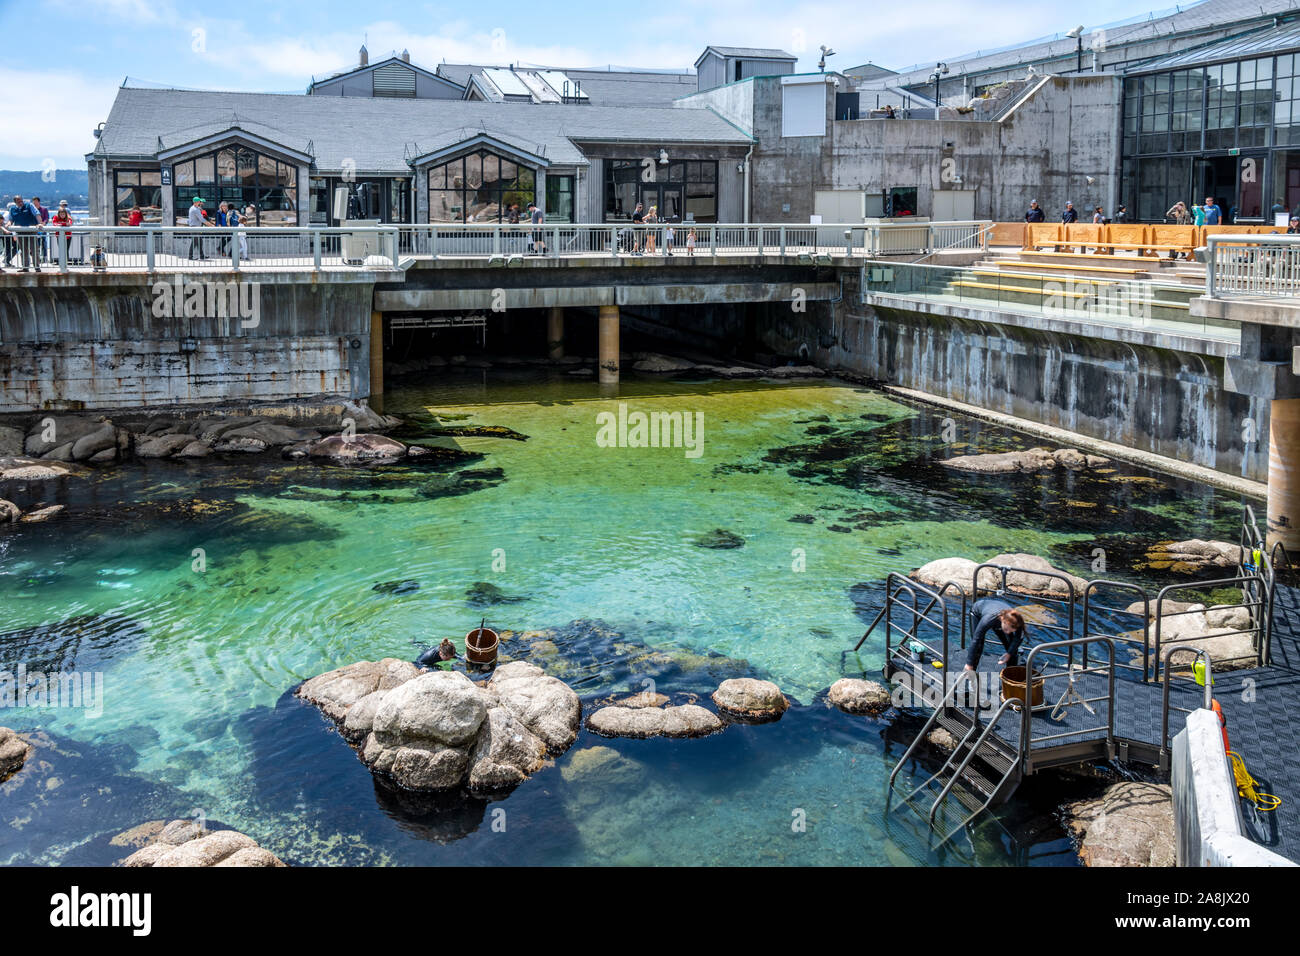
(201, 648)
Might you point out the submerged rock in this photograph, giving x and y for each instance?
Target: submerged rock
(477, 431)
(654, 362)
(31, 469)
(752, 698)
(9, 512)
(720, 538)
(686, 720)
(14, 751)
(1192, 556)
(855, 696)
(356, 449)
(1222, 632)
(1031, 460)
(37, 515)
(397, 587)
(1130, 824)
(483, 594)
(187, 843)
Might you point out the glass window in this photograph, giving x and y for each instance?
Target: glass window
(244, 177)
(137, 188)
(559, 199)
(478, 187)
(696, 180)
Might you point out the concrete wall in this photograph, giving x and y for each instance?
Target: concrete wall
(1045, 149)
(101, 346)
(1207, 823)
(1159, 400)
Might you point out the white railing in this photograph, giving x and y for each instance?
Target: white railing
(217, 248)
(1252, 266)
(160, 248)
(476, 240)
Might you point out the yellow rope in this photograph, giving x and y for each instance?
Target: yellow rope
(1246, 786)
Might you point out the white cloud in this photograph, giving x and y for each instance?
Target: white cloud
(53, 119)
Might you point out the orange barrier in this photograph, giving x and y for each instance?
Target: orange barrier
(1134, 234)
(1008, 234)
(1042, 234)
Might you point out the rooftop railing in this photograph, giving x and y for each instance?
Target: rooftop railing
(1254, 266)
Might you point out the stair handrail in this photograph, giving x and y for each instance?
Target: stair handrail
(970, 754)
(926, 727)
(1146, 616)
(1250, 599)
(1165, 706)
(979, 235)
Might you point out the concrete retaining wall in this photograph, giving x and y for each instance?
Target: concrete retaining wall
(103, 345)
(1207, 818)
(1160, 400)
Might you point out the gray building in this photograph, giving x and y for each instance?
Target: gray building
(720, 65)
(409, 159)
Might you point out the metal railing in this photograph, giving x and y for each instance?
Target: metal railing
(1244, 266)
(1257, 559)
(1066, 603)
(1057, 648)
(153, 249)
(1147, 304)
(1254, 599)
(1166, 706)
(1090, 607)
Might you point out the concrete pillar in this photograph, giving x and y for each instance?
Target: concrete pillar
(1284, 473)
(608, 349)
(377, 361)
(555, 333)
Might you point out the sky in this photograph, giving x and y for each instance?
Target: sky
(60, 82)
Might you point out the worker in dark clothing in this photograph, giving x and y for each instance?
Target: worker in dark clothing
(992, 614)
(1035, 212)
(1070, 215)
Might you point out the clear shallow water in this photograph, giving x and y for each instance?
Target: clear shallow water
(198, 665)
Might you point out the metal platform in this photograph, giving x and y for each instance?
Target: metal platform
(1112, 690)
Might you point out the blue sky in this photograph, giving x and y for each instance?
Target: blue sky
(60, 79)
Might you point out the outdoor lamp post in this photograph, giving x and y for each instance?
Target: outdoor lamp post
(940, 69)
(1077, 35)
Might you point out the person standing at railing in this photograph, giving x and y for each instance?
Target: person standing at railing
(1035, 212)
(651, 218)
(996, 616)
(197, 219)
(1198, 214)
(1213, 214)
(537, 242)
(8, 239)
(1069, 215)
(1294, 227)
(1181, 217)
(135, 217)
(44, 213)
(638, 219)
(23, 216)
(690, 242)
(223, 220)
(61, 219)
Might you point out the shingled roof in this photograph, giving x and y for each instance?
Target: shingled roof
(378, 135)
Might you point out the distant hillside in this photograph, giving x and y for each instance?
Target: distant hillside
(69, 184)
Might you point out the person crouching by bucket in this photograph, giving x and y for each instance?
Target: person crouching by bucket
(992, 614)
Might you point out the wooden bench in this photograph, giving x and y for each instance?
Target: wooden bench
(1133, 273)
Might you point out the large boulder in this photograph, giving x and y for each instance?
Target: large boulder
(271, 433)
(160, 446)
(1225, 633)
(443, 707)
(354, 449)
(14, 751)
(961, 572)
(855, 696)
(545, 705)
(11, 442)
(32, 469)
(437, 730)
(653, 362)
(752, 698)
(1130, 824)
(1193, 556)
(1028, 461)
(334, 692)
(54, 436)
(9, 512)
(188, 843)
(686, 720)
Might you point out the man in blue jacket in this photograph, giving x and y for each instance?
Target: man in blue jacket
(1213, 214)
(996, 616)
(24, 215)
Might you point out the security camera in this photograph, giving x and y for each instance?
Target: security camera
(663, 157)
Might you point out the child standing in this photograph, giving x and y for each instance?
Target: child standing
(690, 242)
